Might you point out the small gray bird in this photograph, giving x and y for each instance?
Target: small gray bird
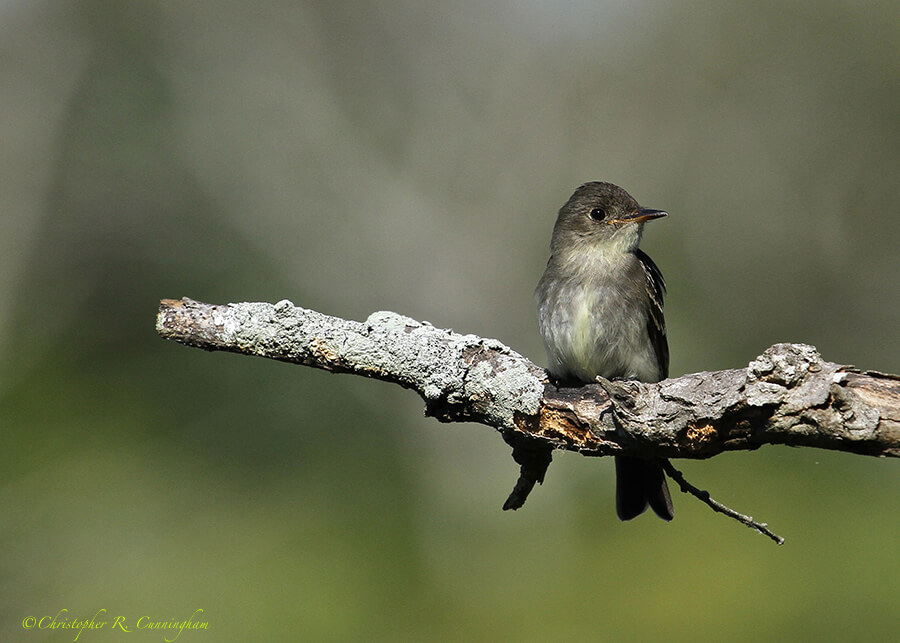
(600, 306)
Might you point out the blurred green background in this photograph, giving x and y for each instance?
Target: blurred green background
(408, 156)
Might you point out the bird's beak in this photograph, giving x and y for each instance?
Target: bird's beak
(639, 216)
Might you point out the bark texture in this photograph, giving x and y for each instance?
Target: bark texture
(787, 395)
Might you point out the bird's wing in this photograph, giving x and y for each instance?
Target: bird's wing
(656, 322)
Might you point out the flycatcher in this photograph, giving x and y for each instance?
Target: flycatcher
(600, 306)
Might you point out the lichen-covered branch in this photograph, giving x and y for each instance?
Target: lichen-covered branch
(787, 395)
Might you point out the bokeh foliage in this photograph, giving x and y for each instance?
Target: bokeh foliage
(357, 156)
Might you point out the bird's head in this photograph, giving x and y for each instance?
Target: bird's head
(601, 216)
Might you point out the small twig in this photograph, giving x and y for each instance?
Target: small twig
(533, 457)
(687, 487)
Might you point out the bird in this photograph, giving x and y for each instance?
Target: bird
(600, 311)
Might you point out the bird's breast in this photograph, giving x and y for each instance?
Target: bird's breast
(594, 326)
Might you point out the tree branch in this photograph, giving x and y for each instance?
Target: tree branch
(787, 395)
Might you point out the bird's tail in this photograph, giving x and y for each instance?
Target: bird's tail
(639, 483)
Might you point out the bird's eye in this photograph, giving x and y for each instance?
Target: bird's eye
(598, 214)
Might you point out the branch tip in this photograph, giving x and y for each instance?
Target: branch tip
(703, 496)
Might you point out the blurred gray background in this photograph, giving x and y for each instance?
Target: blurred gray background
(408, 156)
